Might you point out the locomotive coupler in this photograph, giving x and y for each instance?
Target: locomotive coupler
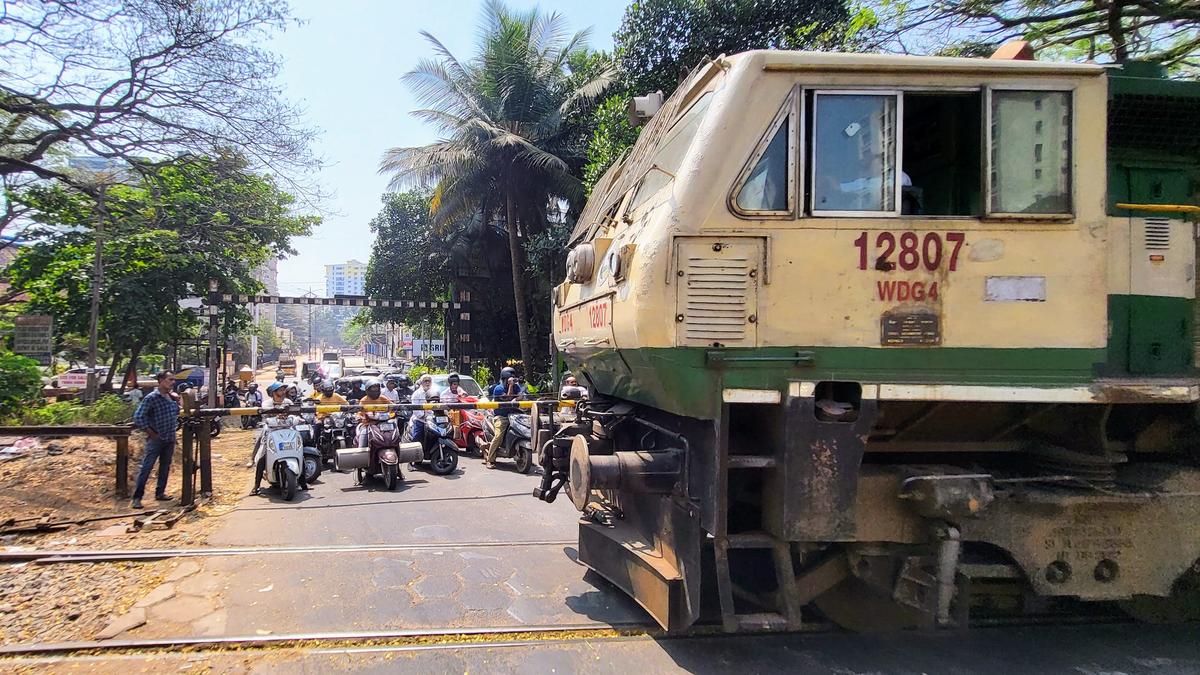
(636, 471)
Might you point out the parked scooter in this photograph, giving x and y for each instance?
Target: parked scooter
(383, 454)
(473, 432)
(286, 454)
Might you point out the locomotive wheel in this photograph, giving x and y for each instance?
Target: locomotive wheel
(1182, 606)
(855, 606)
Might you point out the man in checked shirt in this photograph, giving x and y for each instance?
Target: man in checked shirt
(157, 415)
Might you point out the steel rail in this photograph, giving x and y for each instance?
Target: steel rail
(51, 557)
(441, 638)
(441, 635)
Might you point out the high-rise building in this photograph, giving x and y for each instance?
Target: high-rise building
(345, 279)
(268, 275)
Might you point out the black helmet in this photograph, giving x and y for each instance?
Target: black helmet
(327, 387)
(405, 381)
(452, 377)
(506, 373)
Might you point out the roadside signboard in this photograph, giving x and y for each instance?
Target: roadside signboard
(33, 336)
(423, 348)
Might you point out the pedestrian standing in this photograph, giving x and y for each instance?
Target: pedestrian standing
(157, 415)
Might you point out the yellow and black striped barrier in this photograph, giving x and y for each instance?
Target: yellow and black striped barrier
(380, 407)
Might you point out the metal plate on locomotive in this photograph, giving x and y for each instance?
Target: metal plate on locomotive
(910, 328)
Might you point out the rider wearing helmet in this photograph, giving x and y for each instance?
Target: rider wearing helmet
(326, 395)
(374, 396)
(404, 387)
(253, 396)
(276, 398)
(509, 388)
(424, 393)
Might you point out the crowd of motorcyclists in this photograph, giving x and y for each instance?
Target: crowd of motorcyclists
(492, 434)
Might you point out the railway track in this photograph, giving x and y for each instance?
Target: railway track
(441, 638)
(67, 556)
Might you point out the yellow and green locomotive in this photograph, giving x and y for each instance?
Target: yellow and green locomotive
(890, 339)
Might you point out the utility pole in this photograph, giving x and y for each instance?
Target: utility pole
(254, 342)
(214, 352)
(93, 379)
(310, 294)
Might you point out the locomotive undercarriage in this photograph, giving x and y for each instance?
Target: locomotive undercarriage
(882, 515)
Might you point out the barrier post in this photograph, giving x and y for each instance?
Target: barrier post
(187, 470)
(122, 467)
(206, 486)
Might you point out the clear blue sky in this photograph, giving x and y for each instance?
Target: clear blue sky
(344, 66)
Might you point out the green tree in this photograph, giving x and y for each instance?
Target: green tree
(660, 41)
(408, 257)
(1166, 31)
(510, 122)
(164, 238)
(128, 79)
(20, 383)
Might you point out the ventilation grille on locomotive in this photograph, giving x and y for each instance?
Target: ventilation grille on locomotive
(717, 292)
(1158, 234)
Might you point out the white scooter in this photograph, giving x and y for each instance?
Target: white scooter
(285, 452)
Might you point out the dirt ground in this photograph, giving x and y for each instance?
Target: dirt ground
(75, 478)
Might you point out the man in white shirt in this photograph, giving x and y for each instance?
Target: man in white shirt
(424, 392)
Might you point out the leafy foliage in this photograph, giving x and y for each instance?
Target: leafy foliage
(1167, 32)
(660, 41)
(57, 413)
(20, 383)
(128, 79)
(408, 258)
(512, 122)
(110, 409)
(163, 239)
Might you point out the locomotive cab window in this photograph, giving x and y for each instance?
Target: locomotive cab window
(854, 153)
(942, 169)
(1030, 152)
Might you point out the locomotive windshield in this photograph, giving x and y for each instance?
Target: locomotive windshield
(672, 150)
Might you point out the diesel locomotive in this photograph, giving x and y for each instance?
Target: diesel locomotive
(891, 341)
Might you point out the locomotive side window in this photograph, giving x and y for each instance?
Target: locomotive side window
(1030, 152)
(768, 183)
(855, 153)
(670, 153)
(765, 188)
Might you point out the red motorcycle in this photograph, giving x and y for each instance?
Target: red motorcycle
(472, 428)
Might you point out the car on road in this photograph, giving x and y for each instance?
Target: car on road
(76, 378)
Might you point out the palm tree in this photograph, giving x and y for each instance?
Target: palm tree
(509, 122)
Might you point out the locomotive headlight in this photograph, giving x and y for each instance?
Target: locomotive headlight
(581, 263)
(614, 265)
